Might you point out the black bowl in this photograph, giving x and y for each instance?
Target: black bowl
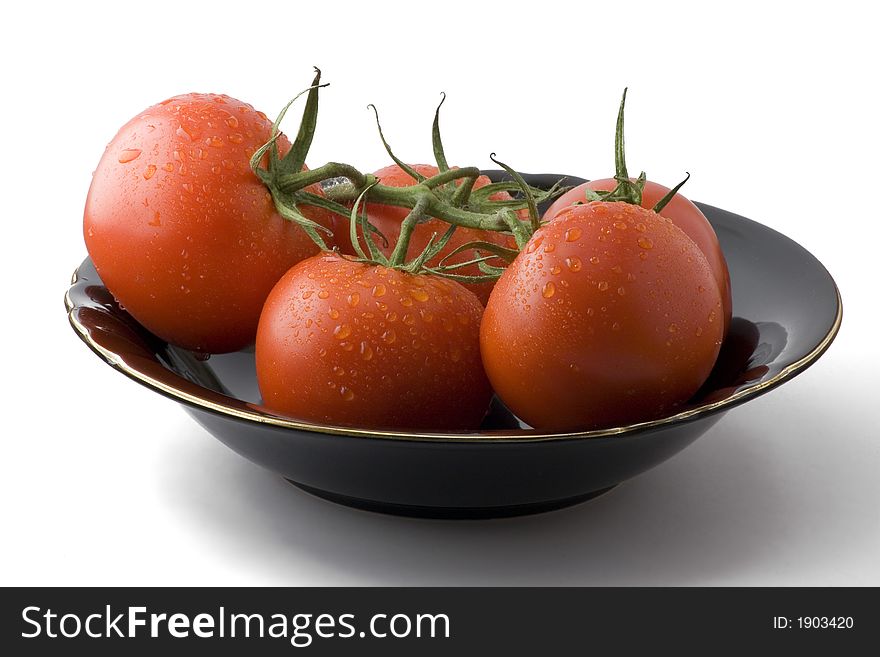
(787, 310)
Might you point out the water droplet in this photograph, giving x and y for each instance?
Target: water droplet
(323, 294)
(338, 371)
(617, 269)
(235, 138)
(389, 336)
(646, 243)
(620, 225)
(405, 301)
(573, 263)
(621, 290)
(643, 256)
(711, 315)
(574, 368)
(603, 285)
(641, 227)
(699, 331)
(214, 142)
(149, 171)
(549, 290)
(342, 331)
(700, 288)
(534, 243)
(231, 121)
(353, 299)
(408, 319)
(672, 328)
(572, 234)
(615, 326)
(307, 294)
(366, 350)
(555, 269)
(334, 314)
(590, 312)
(187, 187)
(419, 294)
(549, 248)
(347, 393)
(391, 317)
(156, 220)
(379, 290)
(129, 154)
(594, 260)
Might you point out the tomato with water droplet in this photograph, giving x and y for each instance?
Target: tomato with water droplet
(178, 176)
(683, 214)
(381, 363)
(623, 337)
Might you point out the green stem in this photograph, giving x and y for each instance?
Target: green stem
(463, 192)
(439, 154)
(294, 182)
(520, 233)
(405, 197)
(619, 148)
(450, 175)
(671, 193)
(398, 256)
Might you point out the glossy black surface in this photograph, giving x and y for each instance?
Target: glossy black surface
(786, 310)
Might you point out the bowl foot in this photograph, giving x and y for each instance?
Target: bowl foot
(450, 513)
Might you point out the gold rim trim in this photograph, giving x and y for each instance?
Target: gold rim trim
(117, 361)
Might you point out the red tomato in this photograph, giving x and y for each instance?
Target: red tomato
(180, 229)
(348, 343)
(387, 218)
(611, 315)
(683, 214)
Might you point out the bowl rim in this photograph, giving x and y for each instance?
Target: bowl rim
(168, 387)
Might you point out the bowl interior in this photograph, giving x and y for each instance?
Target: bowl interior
(785, 304)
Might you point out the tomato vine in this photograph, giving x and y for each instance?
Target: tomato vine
(449, 196)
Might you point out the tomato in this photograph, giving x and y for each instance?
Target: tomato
(182, 232)
(387, 219)
(683, 214)
(611, 315)
(355, 344)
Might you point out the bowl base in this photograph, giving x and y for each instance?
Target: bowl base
(450, 513)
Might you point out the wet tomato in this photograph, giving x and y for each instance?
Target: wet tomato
(683, 214)
(611, 315)
(354, 344)
(388, 218)
(180, 229)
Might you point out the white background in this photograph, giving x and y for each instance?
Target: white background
(774, 111)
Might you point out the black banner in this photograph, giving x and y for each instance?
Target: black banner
(419, 621)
